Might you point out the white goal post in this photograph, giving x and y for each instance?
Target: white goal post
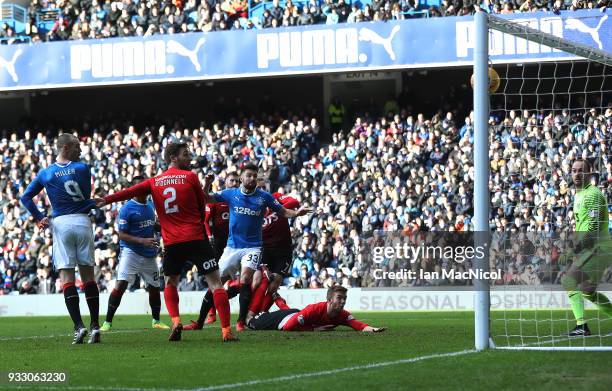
(484, 23)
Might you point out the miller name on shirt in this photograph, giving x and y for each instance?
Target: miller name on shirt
(69, 171)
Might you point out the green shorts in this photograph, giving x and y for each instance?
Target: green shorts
(594, 262)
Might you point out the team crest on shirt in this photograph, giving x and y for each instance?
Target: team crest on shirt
(122, 221)
(259, 201)
(300, 319)
(592, 213)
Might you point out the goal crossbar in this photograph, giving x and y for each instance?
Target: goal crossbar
(531, 34)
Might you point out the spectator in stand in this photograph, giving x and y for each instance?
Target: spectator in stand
(303, 279)
(27, 289)
(355, 15)
(306, 17)
(44, 283)
(301, 260)
(276, 11)
(189, 284)
(331, 15)
(8, 281)
(266, 20)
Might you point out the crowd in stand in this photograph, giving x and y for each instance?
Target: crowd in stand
(116, 157)
(88, 19)
(412, 173)
(402, 173)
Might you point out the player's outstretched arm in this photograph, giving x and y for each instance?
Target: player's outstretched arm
(356, 325)
(370, 329)
(141, 189)
(288, 213)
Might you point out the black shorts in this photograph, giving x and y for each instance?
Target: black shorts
(197, 252)
(270, 320)
(278, 259)
(219, 248)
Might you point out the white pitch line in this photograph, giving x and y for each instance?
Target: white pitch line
(273, 379)
(554, 340)
(96, 388)
(69, 335)
(334, 371)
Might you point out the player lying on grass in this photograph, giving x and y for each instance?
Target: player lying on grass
(322, 316)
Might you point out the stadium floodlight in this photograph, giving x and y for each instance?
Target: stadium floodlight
(548, 90)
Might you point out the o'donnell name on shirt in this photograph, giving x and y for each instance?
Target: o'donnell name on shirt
(175, 179)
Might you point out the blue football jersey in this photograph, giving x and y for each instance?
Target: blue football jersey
(137, 219)
(68, 187)
(246, 215)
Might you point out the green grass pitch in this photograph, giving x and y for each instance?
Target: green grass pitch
(412, 354)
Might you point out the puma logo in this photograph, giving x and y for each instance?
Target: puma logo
(10, 65)
(174, 47)
(578, 25)
(367, 35)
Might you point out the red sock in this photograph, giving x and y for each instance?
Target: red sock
(267, 303)
(281, 303)
(222, 305)
(258, 296)
(172, 302)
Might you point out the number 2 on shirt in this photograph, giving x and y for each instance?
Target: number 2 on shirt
(170, 209)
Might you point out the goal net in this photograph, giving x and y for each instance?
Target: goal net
(542, 119)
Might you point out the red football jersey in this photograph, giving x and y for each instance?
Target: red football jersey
(276, 232)
(314, 317)
(218, 215)
(179, 201)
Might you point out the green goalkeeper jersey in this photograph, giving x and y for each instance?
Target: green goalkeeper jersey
(591, 211)
(594, 246)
